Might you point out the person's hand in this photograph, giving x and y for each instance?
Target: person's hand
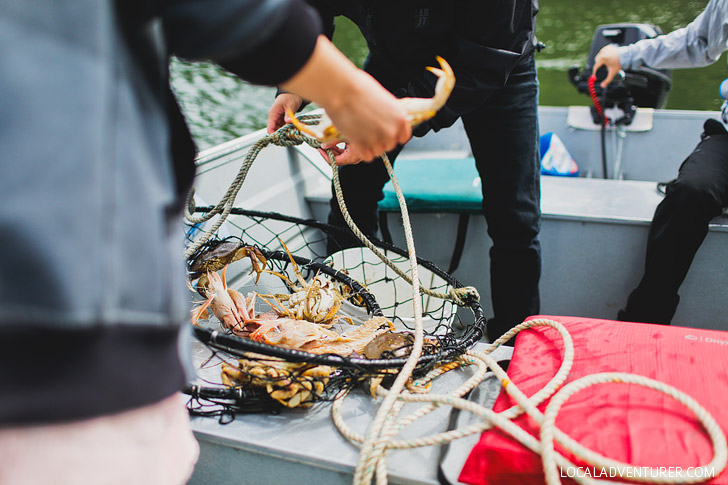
(367, 115)
(348, 155)
(371, 120)
(608, 56)
(277, 113)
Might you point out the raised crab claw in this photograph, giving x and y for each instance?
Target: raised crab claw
(419, 109)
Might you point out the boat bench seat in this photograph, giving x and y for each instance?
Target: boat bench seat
(452, 185)
(435, 185)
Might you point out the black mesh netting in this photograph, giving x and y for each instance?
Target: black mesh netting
(254, 364)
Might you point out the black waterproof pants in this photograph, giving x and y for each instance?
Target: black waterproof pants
(679, 227)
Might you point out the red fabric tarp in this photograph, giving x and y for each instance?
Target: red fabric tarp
(625, 422)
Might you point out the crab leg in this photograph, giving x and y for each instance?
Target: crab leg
(201, 310)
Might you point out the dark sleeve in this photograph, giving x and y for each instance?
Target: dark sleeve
(284, 54)
(488, 44)
(326, 15)
(262, 41)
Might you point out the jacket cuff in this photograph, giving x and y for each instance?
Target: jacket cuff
(284, 53)
(625, 56)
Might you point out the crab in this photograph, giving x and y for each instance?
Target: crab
(293, 384)
(419, 109)
(318, 301)
(235, 311)
(292, 333)
(224, 252)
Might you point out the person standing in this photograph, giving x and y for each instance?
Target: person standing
(491, 50)
(700, 191)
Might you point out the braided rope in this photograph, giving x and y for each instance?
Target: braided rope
(374, 448)
(552, 461)
(459, 296)
(286, 136)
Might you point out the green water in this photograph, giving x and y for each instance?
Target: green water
(219, 107)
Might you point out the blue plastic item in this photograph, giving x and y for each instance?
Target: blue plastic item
(723, 89)
(555, 158)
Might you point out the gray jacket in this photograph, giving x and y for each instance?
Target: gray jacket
(95, 158)
(698, 44)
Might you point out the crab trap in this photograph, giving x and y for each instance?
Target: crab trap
(281, 321)
(311, 322)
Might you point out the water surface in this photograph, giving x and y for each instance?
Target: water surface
(220, 107)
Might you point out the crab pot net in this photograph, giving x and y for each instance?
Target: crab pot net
(292, 249)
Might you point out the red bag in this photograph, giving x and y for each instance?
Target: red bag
(625, 422)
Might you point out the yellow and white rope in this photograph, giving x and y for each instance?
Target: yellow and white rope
(374, 448)
(553, 462)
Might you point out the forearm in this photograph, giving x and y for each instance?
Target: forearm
(328, 26)
(342, 77)
(698, 44)
(363, 111)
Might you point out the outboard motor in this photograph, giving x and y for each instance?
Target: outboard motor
(641, 87)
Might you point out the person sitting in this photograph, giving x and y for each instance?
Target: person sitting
(700, 191)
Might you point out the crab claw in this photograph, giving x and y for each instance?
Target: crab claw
(419, 109)
(200, 312)
(422, 109)
(445, 83)
(324, 131)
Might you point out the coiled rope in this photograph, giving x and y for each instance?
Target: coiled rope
(595, 98)
(552, 461)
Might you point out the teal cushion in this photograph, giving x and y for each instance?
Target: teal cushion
(435, 185)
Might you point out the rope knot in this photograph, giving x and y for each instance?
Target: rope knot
(460, 296)
(287, 136)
